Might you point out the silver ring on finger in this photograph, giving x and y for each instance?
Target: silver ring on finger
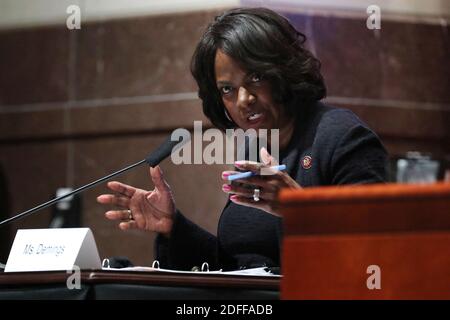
(130, 215)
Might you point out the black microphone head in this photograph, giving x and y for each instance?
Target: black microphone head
(172, 143)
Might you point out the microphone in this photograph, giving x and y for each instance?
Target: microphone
(153, 159)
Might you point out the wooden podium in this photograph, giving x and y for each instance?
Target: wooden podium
(366, 242)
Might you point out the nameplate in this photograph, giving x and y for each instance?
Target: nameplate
(53, 249)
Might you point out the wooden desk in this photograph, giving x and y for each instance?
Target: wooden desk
(136, 285)
(334, 234)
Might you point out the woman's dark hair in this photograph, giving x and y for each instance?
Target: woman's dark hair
(265, 43)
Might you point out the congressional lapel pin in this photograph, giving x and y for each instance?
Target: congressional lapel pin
(306, 162)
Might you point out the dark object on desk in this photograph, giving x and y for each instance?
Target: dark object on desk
(118, 262)
(274, 270)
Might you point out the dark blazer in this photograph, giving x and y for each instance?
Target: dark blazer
(329, 146)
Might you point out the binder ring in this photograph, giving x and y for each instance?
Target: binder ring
(256, 193)
(205, 267)
(105, 263)
(155, 264)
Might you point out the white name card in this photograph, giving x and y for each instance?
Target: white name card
(53, 249)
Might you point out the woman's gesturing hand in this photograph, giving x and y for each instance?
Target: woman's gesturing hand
(259, 191)
(148, 210)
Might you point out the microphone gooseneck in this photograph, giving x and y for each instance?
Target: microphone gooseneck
(153, 159)
(163, 151)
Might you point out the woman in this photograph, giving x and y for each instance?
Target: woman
(253, 72)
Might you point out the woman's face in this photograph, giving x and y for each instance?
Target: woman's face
(246, 96)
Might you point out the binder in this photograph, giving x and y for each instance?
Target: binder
(203, 270)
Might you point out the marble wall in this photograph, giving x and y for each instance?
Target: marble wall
(396, 79)
(77, 105)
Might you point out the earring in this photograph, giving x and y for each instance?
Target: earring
(228, 116)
